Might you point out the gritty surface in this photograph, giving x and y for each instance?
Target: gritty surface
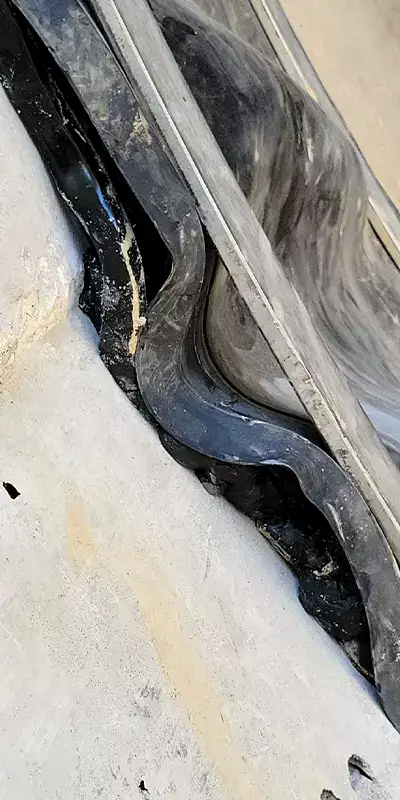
(40, 263)
(147, 632)
(354, 46)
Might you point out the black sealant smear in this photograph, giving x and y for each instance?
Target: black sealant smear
(11, 490)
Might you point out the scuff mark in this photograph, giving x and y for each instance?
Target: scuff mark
(141, 129)
(338, 524)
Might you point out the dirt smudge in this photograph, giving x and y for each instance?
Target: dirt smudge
(80, 545)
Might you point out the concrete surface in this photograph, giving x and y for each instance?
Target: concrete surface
(354, 46)
(151, 642)
(147, 631)
(40, 263)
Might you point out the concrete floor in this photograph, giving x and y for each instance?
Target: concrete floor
(147, 632)
(151, 642)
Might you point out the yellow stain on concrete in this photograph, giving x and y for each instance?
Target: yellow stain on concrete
(167, 621)
(80, 546)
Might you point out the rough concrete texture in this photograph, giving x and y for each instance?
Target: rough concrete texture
(147, 632)
(40, 263)
(354, 46)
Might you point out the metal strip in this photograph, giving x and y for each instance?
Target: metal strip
(247, 254)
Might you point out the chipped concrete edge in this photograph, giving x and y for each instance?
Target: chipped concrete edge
(41, 264)
(33, 317)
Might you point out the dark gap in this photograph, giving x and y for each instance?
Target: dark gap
(298, 531)
(77, 122)
(11, 490)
